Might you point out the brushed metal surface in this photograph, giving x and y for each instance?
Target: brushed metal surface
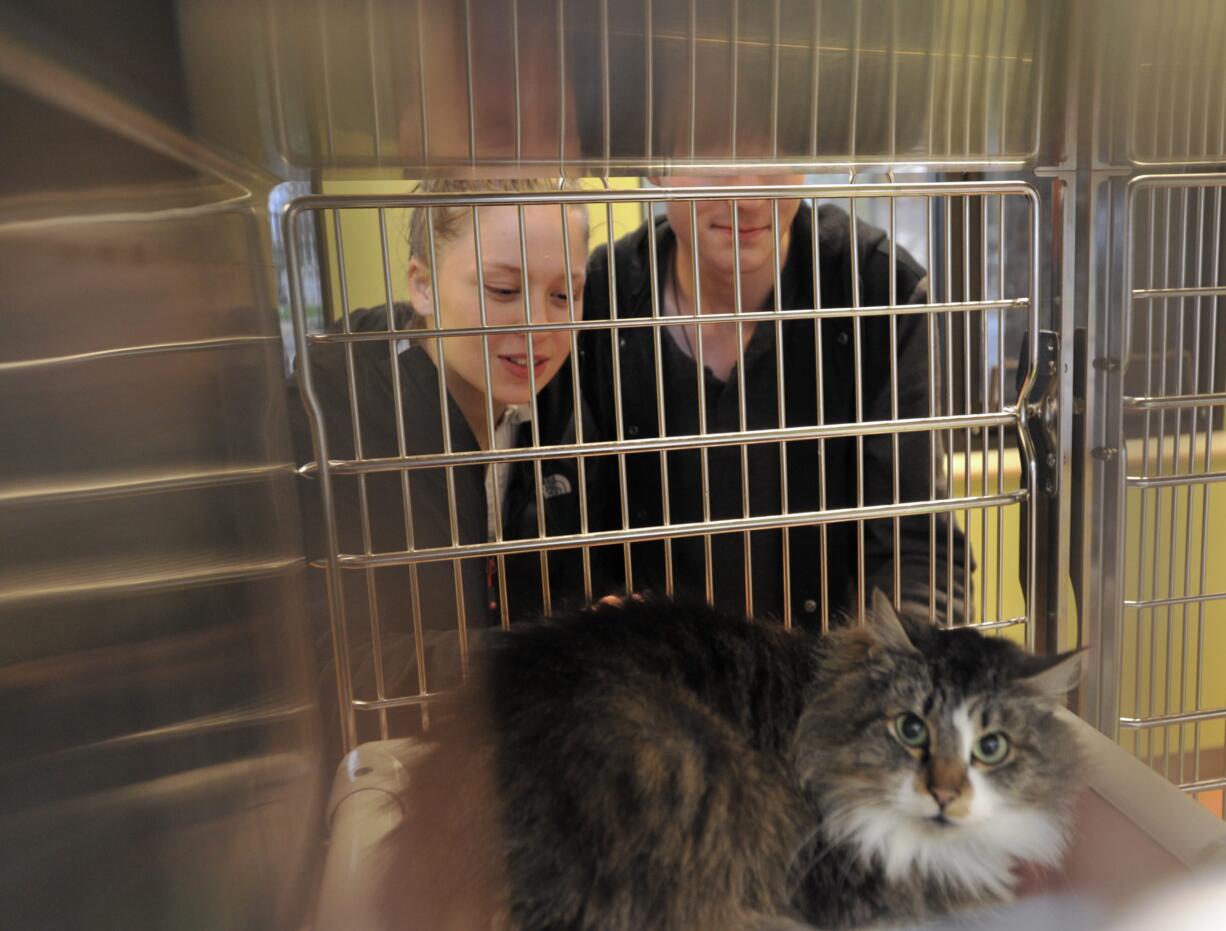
(159, 757)
(432, 86)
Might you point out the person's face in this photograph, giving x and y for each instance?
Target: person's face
(510, 298)
(716, 235)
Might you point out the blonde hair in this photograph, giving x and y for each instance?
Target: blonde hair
(447, 223)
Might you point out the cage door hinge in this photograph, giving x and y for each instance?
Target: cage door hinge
(1040, 413)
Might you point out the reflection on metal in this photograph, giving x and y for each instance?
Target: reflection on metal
(159, 760)
(63, 88)
(136, 483)
(1163, 99)
(118, 352)
(72, 582)
(431, 84)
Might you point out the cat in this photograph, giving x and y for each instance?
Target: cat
(655, 765)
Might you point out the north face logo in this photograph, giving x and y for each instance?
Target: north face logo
(554, 486)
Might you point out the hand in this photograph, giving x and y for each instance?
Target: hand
(617, 601)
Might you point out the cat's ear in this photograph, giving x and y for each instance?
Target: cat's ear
(884, 623)
(1055, 675)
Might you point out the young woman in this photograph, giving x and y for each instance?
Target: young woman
(421, 392)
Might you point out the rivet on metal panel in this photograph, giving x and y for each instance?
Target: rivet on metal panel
(1105, 453)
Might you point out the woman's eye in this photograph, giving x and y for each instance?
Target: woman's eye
(501, 293)
(991, 749)
(911, 729)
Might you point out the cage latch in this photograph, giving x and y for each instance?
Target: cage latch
(1040, 412)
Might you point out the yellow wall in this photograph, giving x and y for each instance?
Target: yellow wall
(994, 536)
(1168, 641)
(366, 284)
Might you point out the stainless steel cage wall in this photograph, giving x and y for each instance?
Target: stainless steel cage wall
(615, 87)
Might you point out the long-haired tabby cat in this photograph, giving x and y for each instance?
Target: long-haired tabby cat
(653, 765)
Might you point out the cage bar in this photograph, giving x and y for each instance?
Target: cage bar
(958, 417)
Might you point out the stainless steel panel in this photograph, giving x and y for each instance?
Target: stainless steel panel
(1160, 94)
(435, 85)
(159, 759)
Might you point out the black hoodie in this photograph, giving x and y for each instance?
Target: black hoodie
(428, 495)
(808, 465)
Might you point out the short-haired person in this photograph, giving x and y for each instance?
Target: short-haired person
(695, 270)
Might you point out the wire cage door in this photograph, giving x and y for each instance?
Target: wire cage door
(1170, 456)
(940, 466)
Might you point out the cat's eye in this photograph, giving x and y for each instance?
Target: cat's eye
(911, 729)
(990, 749)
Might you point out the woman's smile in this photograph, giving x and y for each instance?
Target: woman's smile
(516, 364)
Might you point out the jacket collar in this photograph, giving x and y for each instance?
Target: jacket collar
(420, 396)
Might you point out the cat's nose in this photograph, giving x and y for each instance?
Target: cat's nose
(942, 795)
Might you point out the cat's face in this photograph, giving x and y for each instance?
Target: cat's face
(936, 754)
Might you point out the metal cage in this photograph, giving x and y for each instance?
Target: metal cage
(1174, 407)
(170, 220)
(979, 300)
(1025, 347)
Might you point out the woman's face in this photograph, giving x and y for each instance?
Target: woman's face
(510, 298)
(714, 233)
